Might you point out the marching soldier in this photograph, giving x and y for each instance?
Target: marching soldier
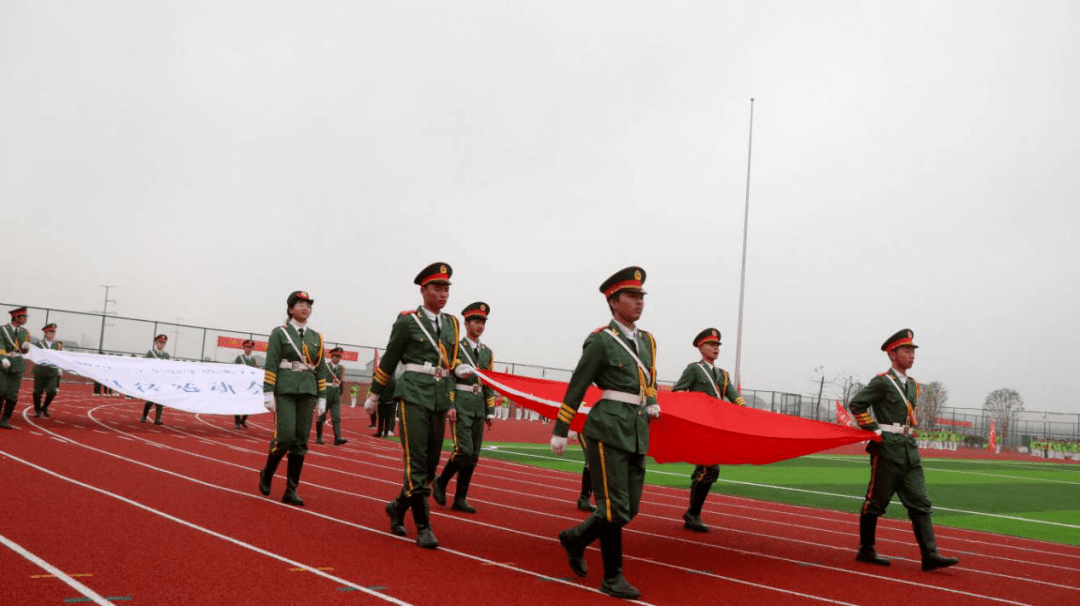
(621, 360)
(704, 377)
(895, 465)
(46, 376)
(247, 360)
(293, 388)
(475, 405)
(425, 340)
(14, 342)
(158, 353)
(336, 373)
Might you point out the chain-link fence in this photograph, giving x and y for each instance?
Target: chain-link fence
(115, 335)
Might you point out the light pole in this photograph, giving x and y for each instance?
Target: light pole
(176, 336)
(104, 314)
(742, 274)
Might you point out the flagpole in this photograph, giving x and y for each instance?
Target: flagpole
(742, 275)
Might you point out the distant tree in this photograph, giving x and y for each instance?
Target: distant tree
(1003, 404)
(849, 386)
(932, 398)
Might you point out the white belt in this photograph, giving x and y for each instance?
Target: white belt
(622, 396)
(897, 428)
(296, 366)
(436, 371)
(475, 388)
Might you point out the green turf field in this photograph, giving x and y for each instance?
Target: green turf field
(1021, 498)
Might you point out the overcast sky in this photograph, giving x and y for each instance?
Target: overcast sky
(915, 165)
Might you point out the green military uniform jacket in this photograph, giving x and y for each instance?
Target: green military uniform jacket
(246, 361)
(409, 344)
(608, 365)
(11, 347)
(475, 404)
(47, 371)
(696, 378)
(333, 392)
(280, 378)
(158, 355)
(888, 408)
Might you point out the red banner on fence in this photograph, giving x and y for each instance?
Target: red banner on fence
(952, 422)
(238, 343)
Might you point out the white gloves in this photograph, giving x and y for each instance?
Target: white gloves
(464, 371)
(571, 435)
(653, 410)
(558, 445)
(26, 346)
(877, 431)
(268, 401)
(320, 405)
(370, 403)
(5, 363)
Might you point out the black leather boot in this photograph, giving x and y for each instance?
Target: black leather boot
(867, 538)
(614, 583)
(396, 510)
(292, 480)
(318, 430)
(924, 534)
(37, 403)
(338, 440)
(692, 518)
(438, 487)
(575, 540)
(462, 491)
(6, 409)
(146, 411)
(266, 476)
(424, 536)
(586, 491)
(48, 400)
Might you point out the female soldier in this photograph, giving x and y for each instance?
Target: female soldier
(295, 376)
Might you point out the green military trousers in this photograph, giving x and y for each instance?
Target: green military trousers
(292, 423)
(422, 434)
(618, 478)
(46, 383)
(468, 434)
(896, 468)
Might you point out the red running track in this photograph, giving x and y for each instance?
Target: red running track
(104, 508)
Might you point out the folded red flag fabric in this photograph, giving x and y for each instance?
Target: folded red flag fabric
(694, 427)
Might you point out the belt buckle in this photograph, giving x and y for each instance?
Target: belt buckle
(440, 372)
(476, 389)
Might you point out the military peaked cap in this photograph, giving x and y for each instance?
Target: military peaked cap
(49, 326)
(337, 351)
(630, 278)
(248, 342)
(436, 273)
(476, 311)
(161, 337)
(299, 295)
(900, 339)
(709, 335)
(21, 311)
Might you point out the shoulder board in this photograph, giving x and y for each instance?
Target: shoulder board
(646, 333)
(599, 329)
(882, 374)
(407, 312)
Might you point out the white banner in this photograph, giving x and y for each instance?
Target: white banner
(204, 387)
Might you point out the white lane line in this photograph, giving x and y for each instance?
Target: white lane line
(88, 593)
(633, 530)
(328, 518)
(205, 530)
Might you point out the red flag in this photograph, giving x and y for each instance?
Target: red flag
(842, 416)
(992, 446)
(695, 427)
